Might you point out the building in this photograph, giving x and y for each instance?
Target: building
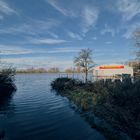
(136, 67)
(111, 71)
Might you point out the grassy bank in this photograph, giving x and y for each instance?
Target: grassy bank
(7, 86)
(118, 103)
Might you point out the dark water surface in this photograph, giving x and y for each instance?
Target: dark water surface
(36, 113)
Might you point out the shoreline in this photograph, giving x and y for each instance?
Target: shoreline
(96, 122)
(94, 100)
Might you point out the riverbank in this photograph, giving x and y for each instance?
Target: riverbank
(116, 103)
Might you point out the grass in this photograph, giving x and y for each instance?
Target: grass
(118, 103)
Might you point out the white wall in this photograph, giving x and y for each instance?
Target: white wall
(112, 72)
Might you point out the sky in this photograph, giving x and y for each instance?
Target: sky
(50, 33)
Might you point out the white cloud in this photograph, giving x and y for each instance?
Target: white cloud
(65, 10)
(53, 34)
(15, 29)
(90, 16)
(65, 50)
(31, 27)
(5, 9)
(74, 35)
(108, 29)
(85, 14)
(56, 5)
(128, 8)
(13, 50)
(130, 30)
(18, 50)
(25, 62)
(49, 41)
(45, 62)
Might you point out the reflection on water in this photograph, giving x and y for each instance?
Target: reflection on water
(36, 113)
(5, 104)
(5, 108)
(2, 134)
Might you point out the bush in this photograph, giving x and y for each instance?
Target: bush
(7, 85)
(61, 84)
(117, 102)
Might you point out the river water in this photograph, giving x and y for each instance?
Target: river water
(37, 113)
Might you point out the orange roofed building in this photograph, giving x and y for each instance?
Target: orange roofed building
(111, 71)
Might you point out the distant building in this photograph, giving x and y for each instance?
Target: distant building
(112, 71)
(136, 67)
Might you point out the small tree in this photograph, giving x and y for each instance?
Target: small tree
(84, 60)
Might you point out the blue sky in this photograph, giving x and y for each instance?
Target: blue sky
(48, 33)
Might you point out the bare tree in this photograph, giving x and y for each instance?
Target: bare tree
(84, 60)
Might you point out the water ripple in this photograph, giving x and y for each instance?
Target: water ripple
(36, 113)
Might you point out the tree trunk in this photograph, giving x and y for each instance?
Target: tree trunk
(86, 75)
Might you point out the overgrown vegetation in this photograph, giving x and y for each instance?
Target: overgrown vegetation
(7, 85)
(116, 102)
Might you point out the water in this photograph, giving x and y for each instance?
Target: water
(36, 113)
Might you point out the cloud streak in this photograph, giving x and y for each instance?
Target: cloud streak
(108, 29)
(74, 35)
(5, 9)
(56, 5)
(45, 62)
(31, 27)
(66, 11)
(13, 50)
(64, 50)
(87, 15)
(90, 16)
(128, 8)
(130, 30)
(19, 50)
(49, 41)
